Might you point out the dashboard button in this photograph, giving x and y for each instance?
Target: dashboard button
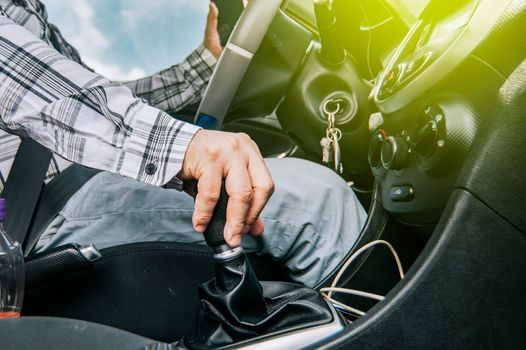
(401, 193)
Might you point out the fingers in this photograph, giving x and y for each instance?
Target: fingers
(262, 185)
(212, 156)
(211, 21)
(257, 228)
(208, 191)
(249, 187)
(239, 189)
(212, 40)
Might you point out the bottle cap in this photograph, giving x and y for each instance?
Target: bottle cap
(2, 209)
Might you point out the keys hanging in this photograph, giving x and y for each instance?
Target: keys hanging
(326, 145)
(331, 151)
(337, 164)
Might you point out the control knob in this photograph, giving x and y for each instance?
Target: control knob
(394, 153)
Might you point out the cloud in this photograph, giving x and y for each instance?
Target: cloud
(78, 20)
(137, 11)
(113, 71)
(128, 39)
(163, 32)
(148, 6)
(88, 35)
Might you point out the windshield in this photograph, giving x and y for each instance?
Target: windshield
(129, 39)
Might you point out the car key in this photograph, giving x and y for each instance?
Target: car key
(326, 144)
(338, 166)
(331, 142)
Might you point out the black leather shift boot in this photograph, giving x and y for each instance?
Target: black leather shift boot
(237, 307)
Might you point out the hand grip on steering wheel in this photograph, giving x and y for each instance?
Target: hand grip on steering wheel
(214, 233)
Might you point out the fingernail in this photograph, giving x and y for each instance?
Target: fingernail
(235, 241)
(200, 228)
(246, 229)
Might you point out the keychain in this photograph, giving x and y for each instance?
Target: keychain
(331, 152)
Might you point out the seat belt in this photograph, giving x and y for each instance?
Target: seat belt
(30, 205)
(53, 198)
(23, 187)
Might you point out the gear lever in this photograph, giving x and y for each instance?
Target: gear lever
(214, 232)
(237, 309)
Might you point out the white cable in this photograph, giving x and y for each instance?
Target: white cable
(333, 289)
(358, 253)
(346, 307)
(353, 292)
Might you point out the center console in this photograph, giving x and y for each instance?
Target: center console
(430, 100)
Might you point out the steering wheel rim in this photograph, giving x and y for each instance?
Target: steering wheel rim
(243, 43)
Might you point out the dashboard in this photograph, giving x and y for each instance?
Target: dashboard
(415, 91)
(431, 100)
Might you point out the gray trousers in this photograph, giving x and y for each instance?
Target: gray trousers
(311, 221)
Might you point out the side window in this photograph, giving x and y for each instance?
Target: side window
(129, 39)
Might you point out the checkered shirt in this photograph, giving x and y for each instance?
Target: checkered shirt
(48, 94)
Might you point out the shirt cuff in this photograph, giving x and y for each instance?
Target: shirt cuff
(155, 150)
(204, 55)
(198, 68)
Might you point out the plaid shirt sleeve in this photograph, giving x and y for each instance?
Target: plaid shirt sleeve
(83, 116)
(181, 85)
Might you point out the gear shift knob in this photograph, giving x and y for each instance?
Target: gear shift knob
(214, 233)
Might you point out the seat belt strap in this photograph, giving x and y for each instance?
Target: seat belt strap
(23, 187)
(53, 199)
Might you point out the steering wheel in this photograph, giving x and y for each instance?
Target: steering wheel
(234, 61)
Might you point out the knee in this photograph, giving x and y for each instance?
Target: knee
(295, 171)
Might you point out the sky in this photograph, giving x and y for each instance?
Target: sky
(129, 39)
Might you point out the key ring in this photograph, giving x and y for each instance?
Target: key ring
(330, 102)
(333, 134)
(337, 102)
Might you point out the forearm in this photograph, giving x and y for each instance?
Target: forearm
(178, 86)
(83, 116)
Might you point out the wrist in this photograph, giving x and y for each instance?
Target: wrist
(213, 49)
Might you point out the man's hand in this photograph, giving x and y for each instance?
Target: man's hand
(213, 156)
(212, 40)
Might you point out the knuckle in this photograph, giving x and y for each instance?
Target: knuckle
(214, 152)
(243, 194)
(210, 198)
(234, 143)
(237, 227)
(203, 219)
(244, 137)
(269, 187)
(251, 219)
